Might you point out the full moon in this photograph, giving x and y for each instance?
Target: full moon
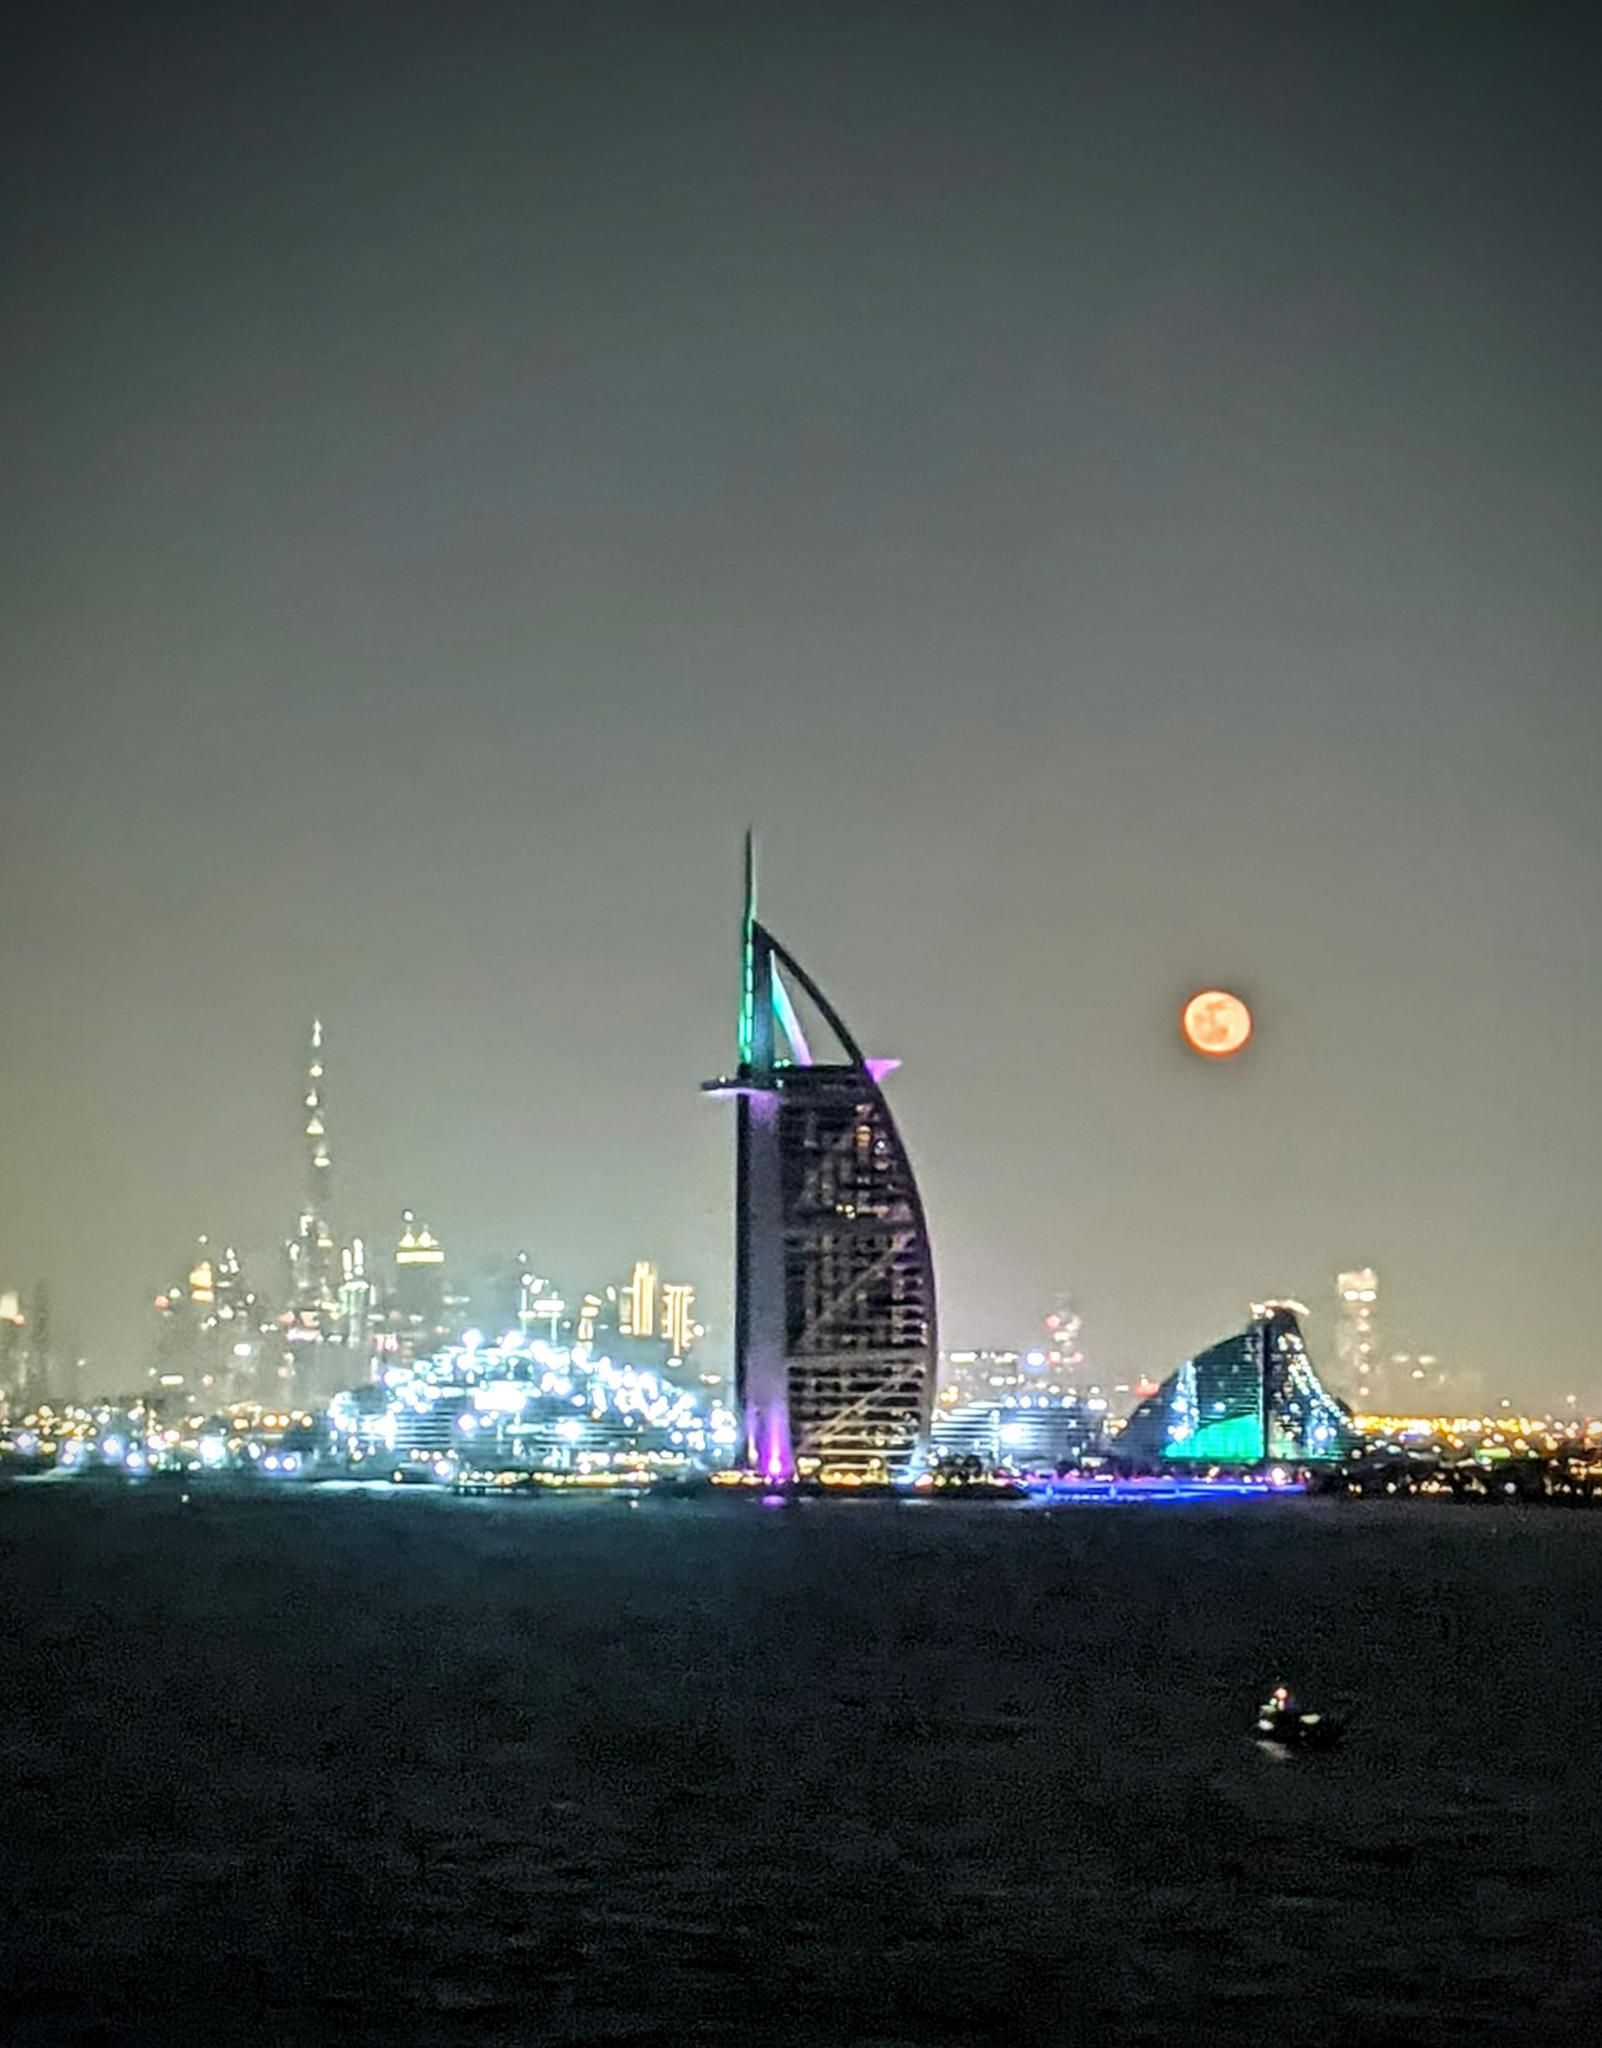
(1216, 1024)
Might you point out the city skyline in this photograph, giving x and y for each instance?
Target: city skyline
(326, 1232)
(1109, 495)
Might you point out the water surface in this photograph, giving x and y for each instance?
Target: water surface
(403, 1769)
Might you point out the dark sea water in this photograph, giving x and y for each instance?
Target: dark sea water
(404, 1769)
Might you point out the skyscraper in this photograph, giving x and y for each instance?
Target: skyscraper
(496, 1293)
(660, 1311)
(637, 1316)
(679, 1327)
(14, 1387)
(207, 1341)
(834, 1342)
(355, 1305)
(1356, 1360)
(418, 1292)
(41, 1347)
(314, 1262)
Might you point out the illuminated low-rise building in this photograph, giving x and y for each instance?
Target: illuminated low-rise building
(530, 1404)
(986, 1375)
(1025, 1432)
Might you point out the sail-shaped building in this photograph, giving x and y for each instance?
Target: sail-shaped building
(835, 1339)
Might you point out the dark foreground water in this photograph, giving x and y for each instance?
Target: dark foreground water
(401, 1769)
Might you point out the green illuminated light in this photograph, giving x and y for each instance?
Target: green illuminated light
(1237, 1439)
(747, 1040)
(789, 1023)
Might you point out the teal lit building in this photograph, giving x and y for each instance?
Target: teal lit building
(1252, 1399)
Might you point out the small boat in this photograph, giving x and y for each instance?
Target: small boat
(1281, 1721)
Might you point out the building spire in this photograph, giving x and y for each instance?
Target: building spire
(314, 1256)
(319, 1164)
(748, 955)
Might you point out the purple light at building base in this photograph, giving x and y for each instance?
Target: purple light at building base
(777, 1463)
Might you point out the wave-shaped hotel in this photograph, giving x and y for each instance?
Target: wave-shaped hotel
(1254, 1396)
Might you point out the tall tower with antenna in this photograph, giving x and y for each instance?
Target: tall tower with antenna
(314, 1263)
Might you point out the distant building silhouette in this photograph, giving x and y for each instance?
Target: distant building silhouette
(1357, 1364)
(208, 1341)
(14, 1376)
(419, 1309)
(418, 1287)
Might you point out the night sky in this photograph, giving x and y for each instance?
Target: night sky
(1110, 492)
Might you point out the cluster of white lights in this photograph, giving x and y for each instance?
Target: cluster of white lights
(506, 1381)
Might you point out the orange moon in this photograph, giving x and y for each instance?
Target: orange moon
(1216, 1024)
